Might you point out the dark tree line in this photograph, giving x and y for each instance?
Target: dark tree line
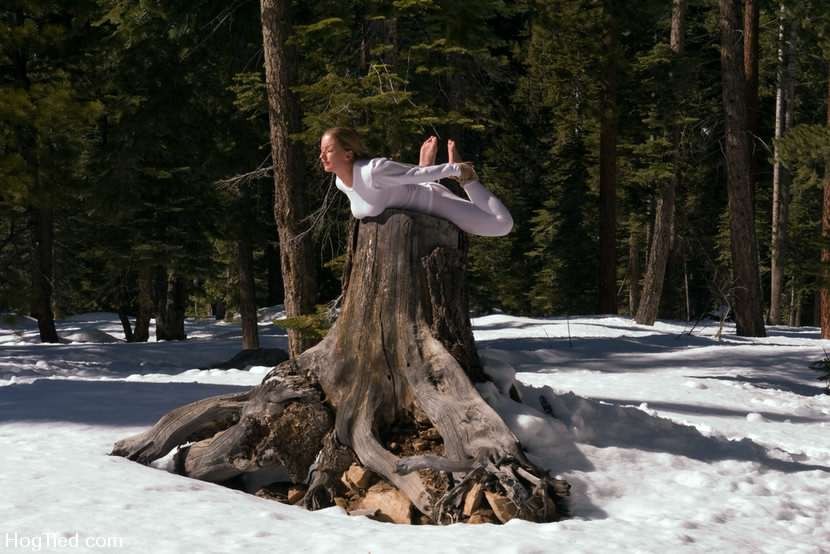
(660, 159)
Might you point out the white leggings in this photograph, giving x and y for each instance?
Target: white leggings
(483, 214)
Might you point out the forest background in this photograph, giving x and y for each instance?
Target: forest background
(137, 139)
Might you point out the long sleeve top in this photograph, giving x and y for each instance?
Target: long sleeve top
(374, 182)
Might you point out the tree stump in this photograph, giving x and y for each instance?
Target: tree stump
(390, 387)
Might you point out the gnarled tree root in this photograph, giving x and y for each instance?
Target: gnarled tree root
(390, 386)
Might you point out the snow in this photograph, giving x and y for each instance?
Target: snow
(673, 442)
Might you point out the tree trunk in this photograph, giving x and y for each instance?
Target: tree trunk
(125, 323)
(753, 110)
(798, 310)
(40, 213)
(687, 294)
(297, 253)
(634, 274)
(42, 236)
(275, 285)
(608, 177)
(176, 307)
(247, 294)
(780, 175)
(146, 305)
(661, 244)
(219, 310)
(747, 286)
(160, 289)
(391, 386)
(817, 307)
(825, 235)
(171, 303)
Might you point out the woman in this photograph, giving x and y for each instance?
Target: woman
(375, 184)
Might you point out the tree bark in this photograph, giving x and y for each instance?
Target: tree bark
(275, 285)
(825, 234)
(780, 175)
(747, 288)
(634, 273)
(146, 305)
(40, 212)
(608, 177)
(171, 304)
(296, 252)
(125, 324)
(42, 236)
(753, 110)
(391, 386)
(661, 244)
(247, 294)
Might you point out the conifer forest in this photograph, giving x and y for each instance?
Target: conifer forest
(661, 159)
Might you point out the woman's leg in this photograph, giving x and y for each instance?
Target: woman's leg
(483, 214)
(496, 220)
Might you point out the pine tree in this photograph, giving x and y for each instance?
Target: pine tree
(747, 291)
(46, 118)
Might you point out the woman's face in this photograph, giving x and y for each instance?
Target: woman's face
(333, 156)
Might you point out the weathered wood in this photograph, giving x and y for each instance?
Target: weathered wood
(390, 387)
(357, 477)
(192, 422)
(279, 428)
(296, 493)
(326, 485)
(502, 506)
(472, 501)
(387, 503)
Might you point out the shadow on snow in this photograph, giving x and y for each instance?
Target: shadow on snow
(108, 403)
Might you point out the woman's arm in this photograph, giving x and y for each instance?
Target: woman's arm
(389, 173)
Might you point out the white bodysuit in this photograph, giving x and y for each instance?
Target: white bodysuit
(380, 183)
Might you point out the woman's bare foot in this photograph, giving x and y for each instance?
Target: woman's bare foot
(452, 152)
(429, 149)
(467, 171)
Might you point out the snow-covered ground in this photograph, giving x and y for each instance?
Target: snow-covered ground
(672, 442)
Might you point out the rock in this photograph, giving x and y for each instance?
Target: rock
(296, 493)
(391, 504)
(473, 499)
(503, 507)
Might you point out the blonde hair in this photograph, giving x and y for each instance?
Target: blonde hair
(349, 140)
